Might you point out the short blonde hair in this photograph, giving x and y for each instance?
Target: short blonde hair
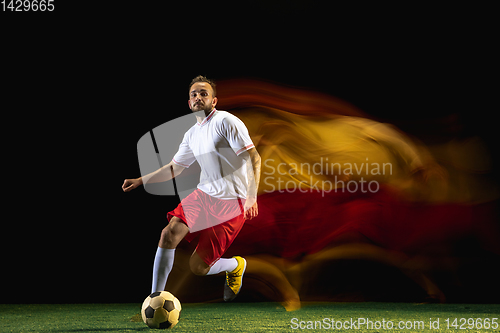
(201, 78)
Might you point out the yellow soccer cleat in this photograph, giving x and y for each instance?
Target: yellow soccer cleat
(234, 280)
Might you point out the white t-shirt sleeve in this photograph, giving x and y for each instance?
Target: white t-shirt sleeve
(184, 156)
(237, 135)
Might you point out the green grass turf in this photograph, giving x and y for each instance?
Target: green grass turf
(234, 317)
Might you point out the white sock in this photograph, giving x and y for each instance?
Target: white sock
(164, 261)
(221, 265)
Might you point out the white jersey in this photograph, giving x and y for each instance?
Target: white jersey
(216, 144)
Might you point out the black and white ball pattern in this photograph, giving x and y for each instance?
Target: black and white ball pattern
(161, 309)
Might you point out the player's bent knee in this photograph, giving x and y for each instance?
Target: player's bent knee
(171, 235)
(198, 268)
(165, 239)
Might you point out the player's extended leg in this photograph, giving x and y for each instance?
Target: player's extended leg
(199, 267)
(170, 237)
(233, 267)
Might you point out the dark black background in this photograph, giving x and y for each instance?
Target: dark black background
(81, 85)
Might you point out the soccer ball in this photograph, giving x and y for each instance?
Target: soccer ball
(161, 309)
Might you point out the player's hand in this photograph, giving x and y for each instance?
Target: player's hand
(251, 208)
(130, 184)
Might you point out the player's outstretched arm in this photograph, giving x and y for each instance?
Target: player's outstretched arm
(163, 174)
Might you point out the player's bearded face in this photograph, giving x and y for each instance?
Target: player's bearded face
(201, 106)
(201, 98)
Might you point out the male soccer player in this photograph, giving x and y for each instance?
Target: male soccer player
(225, 197)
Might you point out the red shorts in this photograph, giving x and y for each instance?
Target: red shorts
(216, 221)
